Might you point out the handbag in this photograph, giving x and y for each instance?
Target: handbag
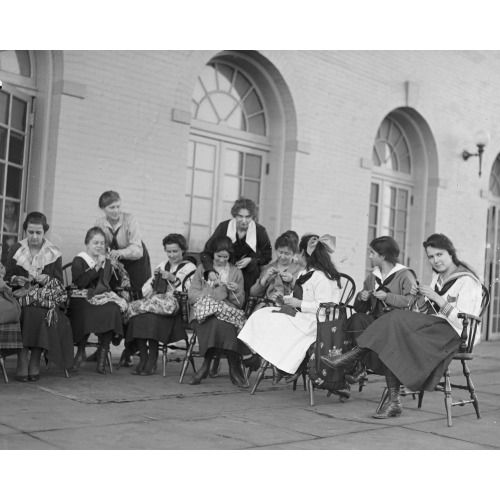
(10, 310)
(331, 338)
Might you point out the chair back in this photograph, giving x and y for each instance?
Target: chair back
(348, 289)
(67, 278)
(471, 325)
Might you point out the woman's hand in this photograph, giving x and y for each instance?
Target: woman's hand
(286, 276)
(364, 295)
(167, 275)
(231, 285)
(415, 289)
(431, 294)
(101, 261)
(242, 263)
(213, 276)
(21, 280)
(41, 279)
(289, 300)
(380, 295)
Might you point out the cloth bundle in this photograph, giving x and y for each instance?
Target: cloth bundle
(164, 304)
(208, 306)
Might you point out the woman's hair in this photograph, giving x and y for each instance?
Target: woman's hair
(442, 242)
(245, 204)
(319, 259)
(287, 240)
(387, 247)
(175, 239)
(36, 218)
(107, 198)
(221, 244)
(92, 232)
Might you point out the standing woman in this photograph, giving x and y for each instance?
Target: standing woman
(415, 348)
(251, 245)
(123, 237)
(36, 261)
(93, 275)
(388, 286)
(151, 318)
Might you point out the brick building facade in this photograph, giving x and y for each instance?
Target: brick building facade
(353, 143)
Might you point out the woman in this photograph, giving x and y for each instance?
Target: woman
(388, 286)
(278, 278)
(283, 336)
(414, 348)
(34, 267)
(216, 315)
(123, 237)
(11, 339)
(93, 308)
(156, 318)
(252, 247)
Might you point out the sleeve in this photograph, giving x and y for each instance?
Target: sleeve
(325, 290)
(182, 274)
(464, 296)
(402, 300)
(264, 247)
(11, 264)
(206, 256)
(147, 288)
(196, 289)
(257, 289)
(133, 251)
(57, 270)
(82, 278)
(240, 293)
(363, 306)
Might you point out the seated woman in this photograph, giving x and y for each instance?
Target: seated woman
(278, 278)
(34, 268)
(216, 312)
(388, 286)
(93, 309)
(11, 339)
(283, 336)
(414, 348)
(156, 318)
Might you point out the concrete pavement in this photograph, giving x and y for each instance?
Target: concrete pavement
(89, 411)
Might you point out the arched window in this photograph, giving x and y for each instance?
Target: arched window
(16, 62)
(392, 185)
(228, 147)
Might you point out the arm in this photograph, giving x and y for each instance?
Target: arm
(133, 250)
(264, 248)
(259, 288)
(402, 300)
(11, 264)
(206, 256)
(57, 270)
(196, 288)
(325, 290)
(82, 278)
(239, 293)
(360, 305)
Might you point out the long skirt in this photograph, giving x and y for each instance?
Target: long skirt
(56, 339)
(280, 339)
(86, 318)
(416, 347)
(165, 329)
(356, 325)
(139, 270)
(218, 334)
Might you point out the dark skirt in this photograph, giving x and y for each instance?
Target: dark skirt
(356, 325)
(139, 271)
(215, 333)
(416, 347)
(56, 339)
(86, 318)
(165, 329)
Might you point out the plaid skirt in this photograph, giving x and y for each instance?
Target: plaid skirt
(10, 336)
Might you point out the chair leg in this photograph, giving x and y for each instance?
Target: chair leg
(447, 396)
(383, 399)
(311, 392)
(243, 370)
(304, 381)
(164, 359)
(110, 360)
(470, 386)
(66, 374)
(188, 358)
(420, 398)
(2, 365)
(260, 374)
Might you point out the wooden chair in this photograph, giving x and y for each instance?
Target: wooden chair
(348, 290)
(464, 353)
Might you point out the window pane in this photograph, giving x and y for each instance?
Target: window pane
(225, 76)
(231, 188)
(18, 119)
(253, 167)
(3, 143)
(252, 103)
(4, 107)
(401, 220)
(205, 156)
(7, 242)
(233, 162)
(198, 236)
(224, 104)
(251, 189)
(201, 212)
(206, 112)
(372, 218)
(203, 184)
(374, 193)
(405, 164)
(191, 147)
(226, 209)
(402, 198)
(242, 85)
(257, 124)
(11, 217)
(236, 119)
(208, 79)
(2, 177)
(14, 182)
(16, 148)
(189, 181)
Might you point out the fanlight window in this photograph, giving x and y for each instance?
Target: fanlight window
(16, 62)
(495, 178)
(391, 150)
(225, 97)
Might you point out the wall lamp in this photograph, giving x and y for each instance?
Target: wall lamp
(481, 138)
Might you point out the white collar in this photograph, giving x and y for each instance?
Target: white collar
(251, 236)
(397, 267)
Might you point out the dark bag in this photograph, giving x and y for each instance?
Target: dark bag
(331, 338)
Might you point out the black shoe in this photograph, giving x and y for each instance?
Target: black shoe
(278, 375)
(253, 362)
(344, 360)
(202, 372)
(358, 374)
